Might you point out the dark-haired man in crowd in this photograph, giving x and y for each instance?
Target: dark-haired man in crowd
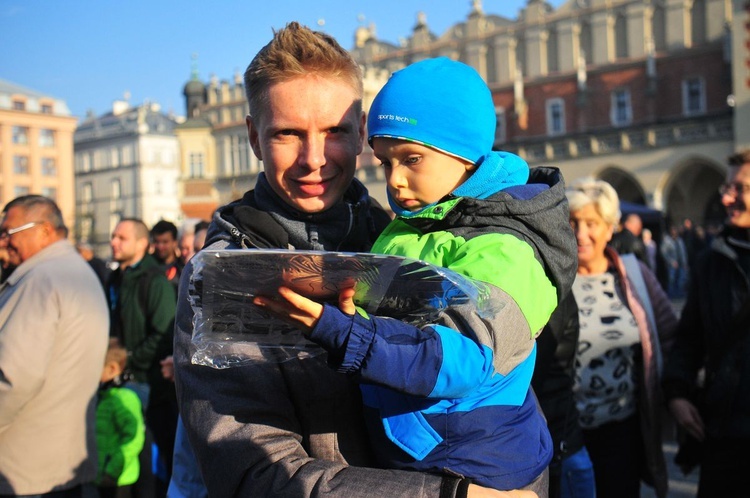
(142, 304)
(166, 249)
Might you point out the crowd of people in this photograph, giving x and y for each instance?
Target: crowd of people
(560, 392)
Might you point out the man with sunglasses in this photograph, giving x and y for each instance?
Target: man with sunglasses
(714, 334)
(54, 324)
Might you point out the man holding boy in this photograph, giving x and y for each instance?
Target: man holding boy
(294, 428)
(454, 394)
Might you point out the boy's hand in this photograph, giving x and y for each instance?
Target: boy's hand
(301, 311)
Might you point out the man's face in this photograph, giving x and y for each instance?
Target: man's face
(127, 248)
(165, 247)
(634, 225)
(736, 199)
(199, 240)
(186, 248)
(308, 138)
(23, 244)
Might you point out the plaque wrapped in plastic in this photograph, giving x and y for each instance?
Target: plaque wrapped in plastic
(229, 330)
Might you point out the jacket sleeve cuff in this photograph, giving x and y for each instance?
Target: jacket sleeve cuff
(347, 338)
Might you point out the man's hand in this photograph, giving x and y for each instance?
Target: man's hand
(167, 368)
(301, 311)
(686, 414)
(480, 492)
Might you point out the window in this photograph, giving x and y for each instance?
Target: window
(50, 192)
(621, 112)
(46, 138)
(693, 96)
(196, 165)
(87, 228)
(18, 191)
(621, 36)
(127, 155)
(500, 135)
(114, 219)
(116, 189)
(555, 117)
(19, 105)
(21, 165)
(87, 193)
(20, 135)
(87, 159)
(46, 109)
(49, 166)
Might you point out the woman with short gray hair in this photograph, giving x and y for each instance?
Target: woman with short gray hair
(625, 321)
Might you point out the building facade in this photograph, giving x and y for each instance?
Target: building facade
(217, 163)
(36, 147)
(126, 165)
(650, 95)
(635, 92)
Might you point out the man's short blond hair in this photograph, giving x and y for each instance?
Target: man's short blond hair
(601, 194)
(293, 52)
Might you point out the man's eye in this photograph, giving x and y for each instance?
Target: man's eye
(335, 129)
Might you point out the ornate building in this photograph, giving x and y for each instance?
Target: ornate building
(217, 163)
(635, 92)
(650, 95)
(126, 165)
(36, 147)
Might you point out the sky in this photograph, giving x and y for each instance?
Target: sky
(93, 52)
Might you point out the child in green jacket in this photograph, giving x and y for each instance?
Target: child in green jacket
(120, 428)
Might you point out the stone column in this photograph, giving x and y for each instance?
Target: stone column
(717, 15)
(536, 51)
(678, 24)
(602, 37)
(568, 44)
(476, 55)
(639, 29)
(505, 58)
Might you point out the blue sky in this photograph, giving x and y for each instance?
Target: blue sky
(90, 52)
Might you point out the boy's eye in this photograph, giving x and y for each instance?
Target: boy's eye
(412, 159)
(385, 164)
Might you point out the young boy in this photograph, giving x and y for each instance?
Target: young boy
(120, 429)
(437, 400)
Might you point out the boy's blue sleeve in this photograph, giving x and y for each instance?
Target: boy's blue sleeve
(434, 361)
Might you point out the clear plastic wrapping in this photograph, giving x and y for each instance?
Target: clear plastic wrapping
(229, 330)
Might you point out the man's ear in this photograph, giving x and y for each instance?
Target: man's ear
(361, 130)
(143, 245)
(252, 136)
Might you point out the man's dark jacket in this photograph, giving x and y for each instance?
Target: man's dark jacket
(719, 286)
(142, 304)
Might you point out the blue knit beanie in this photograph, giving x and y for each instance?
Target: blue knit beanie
(441, 103)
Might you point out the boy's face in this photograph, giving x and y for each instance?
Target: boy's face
(308, 137)
(418, 175)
